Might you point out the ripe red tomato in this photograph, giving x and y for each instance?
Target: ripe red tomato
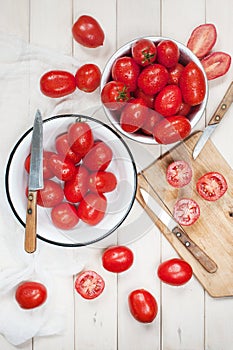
(114, 95)
(211, 186)
(134, 115)
(126, 70)
(152, 119)
(153, 78)
(47, 173)
(64, 216)
(63, 168)
(184, 109)
(168, 53)
(63, 147)
(57, 83)
(172, 129)
(89, 284)
(51, 195)
(144, 52)
(92, 208)
(168, 100)
(175, 272)
(80, 138)
(179, 173)
(192, 84)
(143, 306)
(202, 39)
(99, 157)
(117, 259)
(77, 187)
(88, 32)
(88, 77)
(175, 73)
(30, 295)
(102, 181)
(148, 99)
(186, 211)
(216, 64)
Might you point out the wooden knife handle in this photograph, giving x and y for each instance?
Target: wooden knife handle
(223, 106)
(31, 220)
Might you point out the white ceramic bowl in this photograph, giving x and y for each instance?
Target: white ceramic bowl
(119, 201)
(186, 55)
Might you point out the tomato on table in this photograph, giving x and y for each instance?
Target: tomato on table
(168, 53)
(134, 115)
(186, 211)
(88, 32)
(47, 173)
(175, 272)
(50, 195)
(102, 181)
(178, 173)
(30, 294)
(168, 100)
(117, 258)
(57, 83)
(211, 186)
(143, 305)
(88, 77)
(89, 284)
(216, 64)
(92, 208)
(63, 147)
(172, 129)
(64, 216)
(114, 95)
(99, 157)
(80, 138)
(202, 39)
(126, 70)
(63, 168)
(144, 52)
(153, 78)
(76, 188)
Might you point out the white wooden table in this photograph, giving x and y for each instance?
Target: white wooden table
(188, 318)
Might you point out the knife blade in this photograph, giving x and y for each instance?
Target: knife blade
(150, 204)
(35, 183)
(214, 121)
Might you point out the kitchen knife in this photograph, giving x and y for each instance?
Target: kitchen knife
(35, 183)
(153, 207)
(214, 121)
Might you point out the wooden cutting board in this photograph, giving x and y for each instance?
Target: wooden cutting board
(213, 231)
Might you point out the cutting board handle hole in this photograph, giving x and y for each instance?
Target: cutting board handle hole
(231, 214)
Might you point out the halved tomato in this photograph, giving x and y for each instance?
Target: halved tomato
(211, 186)
(179, 173)
(186, 211)
(89, 284)
(216, 64)
(202, 39)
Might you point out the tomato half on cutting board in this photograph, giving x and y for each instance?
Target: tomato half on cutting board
(211, 186)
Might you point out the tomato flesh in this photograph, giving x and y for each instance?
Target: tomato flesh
(175, 272)
(202, 39)
(216, 64)
(89, 284)
(186, 211)
(179, 173)
(211, 186)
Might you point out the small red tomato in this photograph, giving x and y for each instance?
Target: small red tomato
(88, 77)
(117, 259)
(153, 78)
(89, 284)
(172, 129)
(175, 272)
(133, 115)
(57, 83)
(114, 95)
(126, 70)
(148, 99)
(216, 64)
(99, 157)
(63, 168)
(92, 208)
(192, 84)
(168, 53)
(202, 39)
(184, 109)
(88, 32)
(211, 186)
(80, 138)
(51, 195)
(143, 305)
(30, 295)
(102, 181)
(144, 52)
(47, 173)
(168, 100)
(64, 216)
(175, 73)
(179, 173)
(76, 188)
(63, 147)
(186, 211)
(152, 119)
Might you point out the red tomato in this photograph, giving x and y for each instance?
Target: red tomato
(143, 306)
(126, 70)
(175, 272)
(64, 216)
(30, 295)
(186, 211)
(63, 147)
(172, 129)
(88, 32)
(179, 173)
(47, 173)
(92, 208)
(216, 64)
(51, 195)
(57, 83)
(99, 157)
(133, 115)
(144, 52)
(88, 77)
(153, 78)
(117, 259)
(211, 186)
(175, 73)
(114, 95)
(80, 138)
(168, 100)
(152, 119)
(77, 187)
(102, 181)
(148, 99)
(192, 84)
(184, 109)
(168, 53)
(202, 39)
(89, 284)
(63, 168)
